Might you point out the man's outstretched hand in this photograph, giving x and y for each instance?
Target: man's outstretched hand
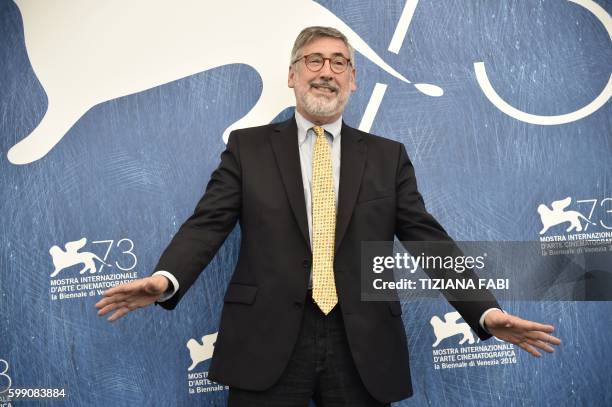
(130, 296)
(528, 335)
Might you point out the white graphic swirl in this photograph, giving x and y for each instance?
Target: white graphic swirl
(594, 105)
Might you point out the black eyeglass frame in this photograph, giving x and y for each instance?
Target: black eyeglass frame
(304, 57)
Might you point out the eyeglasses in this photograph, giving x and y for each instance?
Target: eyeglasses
(315, 62)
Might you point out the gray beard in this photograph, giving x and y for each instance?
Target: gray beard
(320, 106)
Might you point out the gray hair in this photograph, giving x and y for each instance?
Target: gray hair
(310, 34)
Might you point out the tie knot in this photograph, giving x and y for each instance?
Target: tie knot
(318, 130)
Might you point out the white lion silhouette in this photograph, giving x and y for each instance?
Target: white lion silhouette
(449, 327)
(201, 352)
(557, 215)
(64, 259)
(95, 51)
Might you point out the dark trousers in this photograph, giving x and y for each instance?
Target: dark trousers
(321, 369)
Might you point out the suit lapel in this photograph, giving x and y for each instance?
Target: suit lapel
(286, 150)
(352, 162)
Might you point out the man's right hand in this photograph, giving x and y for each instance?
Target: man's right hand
(131, 296)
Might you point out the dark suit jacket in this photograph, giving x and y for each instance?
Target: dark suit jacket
(259, 184)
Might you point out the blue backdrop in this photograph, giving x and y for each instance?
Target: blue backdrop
(131, 169)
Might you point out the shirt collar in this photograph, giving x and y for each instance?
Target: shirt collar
(304, 125)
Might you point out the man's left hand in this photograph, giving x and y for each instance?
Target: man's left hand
(528, 335)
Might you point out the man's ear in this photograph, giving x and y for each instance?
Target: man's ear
(353, 80)
(291, 77)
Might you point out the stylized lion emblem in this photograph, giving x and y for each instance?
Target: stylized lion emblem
(557, 216)
(449, 327)
(64, 259)
(201, 352)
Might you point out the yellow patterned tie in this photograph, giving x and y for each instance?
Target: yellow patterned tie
(323, 225)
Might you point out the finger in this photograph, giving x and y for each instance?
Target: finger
(123, 288)
(109, 300)
(526, 347)
(507, 337)
(105, 301)
(541, 345)
(514, 339)
(111, 307)
(116, 290)
(544, 337)
(532, 326)
(118, 314)
(510, 335)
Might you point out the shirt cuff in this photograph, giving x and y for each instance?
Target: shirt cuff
(482, 318)
(172, 288)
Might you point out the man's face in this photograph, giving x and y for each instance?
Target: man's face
(321, 96)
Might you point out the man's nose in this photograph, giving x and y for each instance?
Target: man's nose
(326, 71)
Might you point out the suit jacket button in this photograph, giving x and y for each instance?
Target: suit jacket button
(306, 263)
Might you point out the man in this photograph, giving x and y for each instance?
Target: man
(307, 192)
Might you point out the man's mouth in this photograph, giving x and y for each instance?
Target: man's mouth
(324, 88)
